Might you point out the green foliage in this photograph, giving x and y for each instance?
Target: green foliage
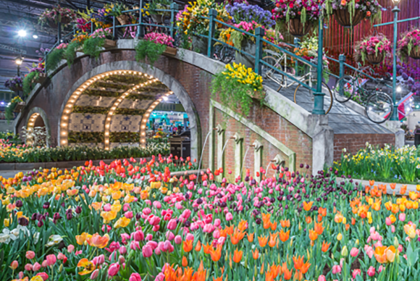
(10, 136)
(93, 46)
(130, 111)
(28, 82)
(54, 58)
(8, 113)
(70, 52)
(90, 109)
(77, 153)
(150, 50)
(140, 97)
(124, 137)
(86, 137)
(102, 93)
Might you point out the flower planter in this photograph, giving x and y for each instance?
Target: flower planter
(123, 19)
(375, 59)
(110, 43)
(65, 20)
(415, 53)
(342, 16)
(19, 107)
(200, 44)
(258, 95)
(41, 78)
(297, 29)
(249, 47)
(16, 88)
(52, 23)
(169, 51)
(159, 19)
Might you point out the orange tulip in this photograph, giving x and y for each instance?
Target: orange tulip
(237, 256)
(262, 241)
(403, 189)
(236, 237)
(273, 226)
(287, 274)
(255, 254)
(284, 236)
(273, 240)
(275, 270)
(184, 261)
(98, 241)
(207, 248)
(322, 211)
(266, 220)
(385, 254)
(319, 228)
(325, 246)
(393, 185)
(371, 182)
(187, 245)
(308, 220)
(198, 246)
(250, 237)
(353, 221)
(285, 223)
(298, 262)
(243, 225)
(88, 266)
(313, 235)
(307, 206)
(216, 254)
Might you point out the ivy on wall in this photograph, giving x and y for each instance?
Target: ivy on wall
(86, 137)
(90, 109)
(130, 111)
(141, 97)
(102, 93)
(124, 137)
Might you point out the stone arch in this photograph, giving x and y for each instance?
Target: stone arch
(134, 67)
(36, 115)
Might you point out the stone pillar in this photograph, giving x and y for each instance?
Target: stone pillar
(219, 149)
(322, 143)
(239, 151)
(258, 149)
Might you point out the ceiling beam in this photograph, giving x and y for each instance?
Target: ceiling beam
(39, 5)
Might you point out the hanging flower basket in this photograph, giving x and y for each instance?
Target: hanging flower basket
(123, 19)
(19, 107)
(415, 54)
(343, 17)
(297, 29)
(170, 51)
(41, 78)
(409, 45)
(57, 14)
(375, 59)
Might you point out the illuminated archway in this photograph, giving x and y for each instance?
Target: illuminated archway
(37, 118)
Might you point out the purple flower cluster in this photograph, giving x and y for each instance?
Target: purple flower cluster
(245, 12)
(14, 82)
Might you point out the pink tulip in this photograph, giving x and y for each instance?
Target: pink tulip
(36, 267)
(45, 263)
(321, 278)
(157, 204)
(94, 274)
(128, 215)
(170, 236)
(70, 248)
(354, 252)
(147, 251)
(43, 275)
(388, 221)
(371, 271)
(172, 224)
(135, 277)
(51, 259)
(356, 272)
(28, 267)
(160, 277)
(189, 237)
(122, 250)
(134, 245)
(402, 217)
(149, 237)
(14, 264)
(336, 269)
(113, 269)
(138, 235)
(380, 268)
(178, 240)
(229, 216)
(30, 255)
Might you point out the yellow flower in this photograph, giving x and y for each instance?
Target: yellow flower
(122, 222)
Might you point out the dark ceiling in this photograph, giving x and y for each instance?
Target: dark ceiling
(23, 14)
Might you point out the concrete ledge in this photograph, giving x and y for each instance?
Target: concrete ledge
(389, 190)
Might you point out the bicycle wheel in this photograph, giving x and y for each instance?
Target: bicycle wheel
(348, 89)
(379, 107)
(309, 94)
(270, 73)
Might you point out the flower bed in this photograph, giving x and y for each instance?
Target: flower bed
(134, 221)
(386, 164)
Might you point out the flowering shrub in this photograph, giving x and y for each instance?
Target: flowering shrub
(58, 14)
(62, 46)
(245, 12)
(372, 45)
(81, 24)
(370, 8)
(409, 43)
(14, 83)
(235, 85)
(306, 11)
(159, 38)
(102, 33)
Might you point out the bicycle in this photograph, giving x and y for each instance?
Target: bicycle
(280, 62)
(378, 104)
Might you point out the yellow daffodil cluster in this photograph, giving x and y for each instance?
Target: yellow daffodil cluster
(243, 75)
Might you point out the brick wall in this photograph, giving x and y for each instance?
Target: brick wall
(354, 142)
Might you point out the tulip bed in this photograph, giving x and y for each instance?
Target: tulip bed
(135, 221)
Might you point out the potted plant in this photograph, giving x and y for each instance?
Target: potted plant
(15, 84)
(299, 16)
(190, 21)
(349, 13)
(158, 17)
(237, 86)
(116, 10)
(245, 12)
(373, 49)
(16, 105)
(409, 45)
(101, 18)
(57, 15)
(154, 45)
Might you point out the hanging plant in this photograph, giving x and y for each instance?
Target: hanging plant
(15, 84)
(11, 108)
(236, 86)
(57, 15)
(153, 46)
(55, 56)
(299, 16)
(373, 49)
(349, 13)
(409, 45)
